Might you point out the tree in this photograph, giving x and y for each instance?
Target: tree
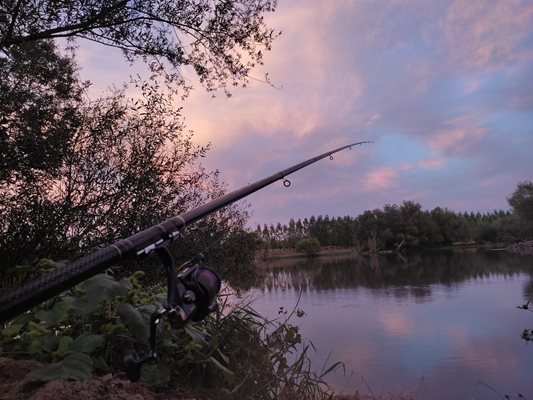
(220, 40)
(76, 174)
(119, 165)
(522, 201)
(39, 103)
(310, 246)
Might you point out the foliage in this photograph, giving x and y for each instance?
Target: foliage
(221, 41)
(407, 226)
(522, 202)
(39, 97)
(310, 247)
(79, 174)
(236, 354)
(398, 227)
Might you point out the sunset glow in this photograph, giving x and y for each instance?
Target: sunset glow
(443, 88)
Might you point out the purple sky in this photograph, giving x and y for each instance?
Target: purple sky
(444, 88)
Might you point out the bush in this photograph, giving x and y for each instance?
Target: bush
(310, 247)
(235, 354)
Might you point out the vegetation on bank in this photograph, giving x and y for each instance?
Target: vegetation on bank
(233, 354)
(408, 226)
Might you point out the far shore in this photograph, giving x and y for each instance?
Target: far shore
(264, 257)
(267, 256)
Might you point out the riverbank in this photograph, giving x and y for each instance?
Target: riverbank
(522, 248)
(267, 256)
(107, 387)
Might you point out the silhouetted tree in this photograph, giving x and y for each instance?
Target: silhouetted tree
(522, 202)
(220, 40)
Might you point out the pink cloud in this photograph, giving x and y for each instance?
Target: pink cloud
(385, 177)
(460, 135)
(482, 33)
(380, 178)
(432, 163)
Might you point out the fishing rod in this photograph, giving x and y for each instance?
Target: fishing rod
(191, 294)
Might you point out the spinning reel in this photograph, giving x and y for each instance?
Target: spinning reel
(191, 296)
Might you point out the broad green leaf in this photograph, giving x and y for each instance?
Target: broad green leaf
(54, 316)
(87, 342)
(104, 287)
(64, 344)
(79, 364)
(81, 306)
(134, 320)
(12, 330)
(96, 289)
(48, 372)
(50, 343)
(75, 366)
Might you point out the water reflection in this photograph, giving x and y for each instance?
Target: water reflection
(445, 318)
(400, 277)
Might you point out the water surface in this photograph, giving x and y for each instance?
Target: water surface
(439, 325)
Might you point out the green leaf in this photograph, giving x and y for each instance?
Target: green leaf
(48, 372)
(100, 364)
(50, 343)
(229, 375)
(134, 320)
(47, 265)
(64, 344)
(54, 316)
(96, 289)
(75, 366)
(224, 357)
(105, 287)
(157, 374)
(196, 335)
(87, 342)
(12, 330)
(81, 307)
(80, 365)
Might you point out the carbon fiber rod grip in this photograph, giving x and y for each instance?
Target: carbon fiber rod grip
(47, 286)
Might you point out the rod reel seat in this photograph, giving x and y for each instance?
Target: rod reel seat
(191, 296)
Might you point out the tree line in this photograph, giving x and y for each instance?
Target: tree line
(408, 225)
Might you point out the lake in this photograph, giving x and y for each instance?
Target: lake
(435, 325)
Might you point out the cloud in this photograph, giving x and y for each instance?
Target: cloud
(432, 163)
(483, 34)
(443, 88)
(380, 178)
(460, 136)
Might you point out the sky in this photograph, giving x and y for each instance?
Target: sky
(444, 88)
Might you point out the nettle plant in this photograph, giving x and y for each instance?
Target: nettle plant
(236, 353)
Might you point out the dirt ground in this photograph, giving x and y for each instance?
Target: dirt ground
(108, 387)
